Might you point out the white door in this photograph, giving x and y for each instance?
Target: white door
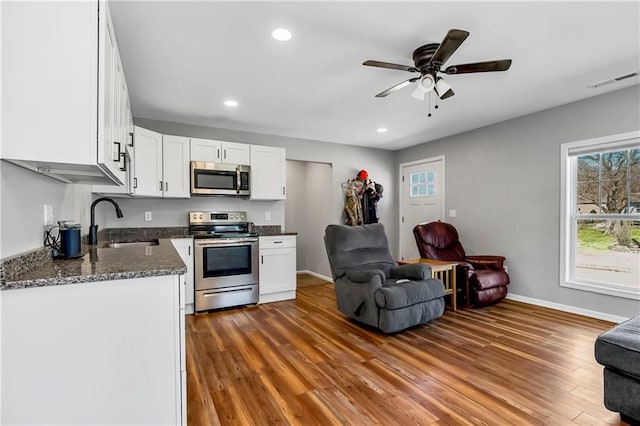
(421, 199)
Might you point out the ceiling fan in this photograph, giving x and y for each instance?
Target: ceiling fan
(428, 61)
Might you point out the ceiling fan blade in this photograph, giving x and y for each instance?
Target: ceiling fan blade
(450, 44)
(500, 65)
(449, 93)
(397, 87)
(389, 65)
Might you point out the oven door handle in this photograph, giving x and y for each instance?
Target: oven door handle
(227, 242)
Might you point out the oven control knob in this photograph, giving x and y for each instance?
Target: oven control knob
(200, 216)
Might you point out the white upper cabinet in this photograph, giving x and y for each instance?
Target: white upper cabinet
(175, 167)
(268, 173)
(147, 163)
(212, 151)
(161, 166)
(59, 87)
(236, 153)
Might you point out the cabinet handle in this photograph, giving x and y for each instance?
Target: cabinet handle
(124, 163)
(284, 191)
(132, 137)
(135, 182)
(277, 242)
(225, 154)
(262, 260)
(166, 187)
(189, 250)
(218, 157)
(117, 159)
(160, 185)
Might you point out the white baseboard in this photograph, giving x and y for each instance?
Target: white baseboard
(567, 308)
(315, 274)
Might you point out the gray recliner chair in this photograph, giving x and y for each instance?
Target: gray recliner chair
(371, 289)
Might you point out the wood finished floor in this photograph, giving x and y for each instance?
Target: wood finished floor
(303, 362)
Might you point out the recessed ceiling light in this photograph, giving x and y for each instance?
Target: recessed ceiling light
(281, 34)
(382, 129)
(231, 103)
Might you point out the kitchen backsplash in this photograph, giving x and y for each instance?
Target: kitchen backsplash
(174, 212)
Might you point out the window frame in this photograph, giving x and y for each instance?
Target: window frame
(569, 216)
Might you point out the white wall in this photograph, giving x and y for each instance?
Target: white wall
(174, 212)
(504, 182)
(23, 194)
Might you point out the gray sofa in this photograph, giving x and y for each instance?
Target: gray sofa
(619, 351)
(371, 289)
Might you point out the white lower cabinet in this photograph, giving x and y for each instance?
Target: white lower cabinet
(277, 268)
(109, 352)
(184, 247)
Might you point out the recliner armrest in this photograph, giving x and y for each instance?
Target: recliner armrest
(414, 271)
(364, 276)
(487, 262)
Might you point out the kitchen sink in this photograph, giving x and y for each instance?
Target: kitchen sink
(132, 244)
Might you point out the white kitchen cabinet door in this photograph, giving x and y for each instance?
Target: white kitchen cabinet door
(184, 247)
(277, 268)
(268, 173)
(52, 78)
(212, 151)
(236, 153)
(206, 150)
(93, 353)
(148, 163)
(175, 167)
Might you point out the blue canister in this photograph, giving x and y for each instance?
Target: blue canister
(70, 240)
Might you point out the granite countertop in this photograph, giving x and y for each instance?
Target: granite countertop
(103, 264)
(100, 263)
(271, 231)
(275, 233)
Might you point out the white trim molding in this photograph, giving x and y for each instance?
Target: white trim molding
(315, 274)
(567, 308)
(568, 152)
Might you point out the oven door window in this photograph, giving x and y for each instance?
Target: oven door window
(225, 261)
(215, 179)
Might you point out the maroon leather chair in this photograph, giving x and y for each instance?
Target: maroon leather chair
(486, 280)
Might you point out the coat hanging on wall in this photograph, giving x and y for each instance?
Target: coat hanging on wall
(361, 200)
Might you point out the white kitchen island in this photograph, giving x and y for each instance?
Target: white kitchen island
(97, 352)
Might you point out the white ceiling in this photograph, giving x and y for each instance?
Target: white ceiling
(182, 59)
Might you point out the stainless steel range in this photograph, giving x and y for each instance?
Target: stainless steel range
(226, 260)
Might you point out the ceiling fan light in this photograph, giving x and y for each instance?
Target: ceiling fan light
(418, 93)
(427, 83)
(442, 87)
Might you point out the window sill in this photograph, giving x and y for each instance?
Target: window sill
(608, 289)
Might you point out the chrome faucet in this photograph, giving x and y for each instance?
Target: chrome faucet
(93, 229)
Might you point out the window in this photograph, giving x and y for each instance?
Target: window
(422, 184)
(600, 215)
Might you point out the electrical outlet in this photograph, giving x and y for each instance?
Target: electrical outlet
(148, 217)
(452, 213)
(267, 216)
(48, 215)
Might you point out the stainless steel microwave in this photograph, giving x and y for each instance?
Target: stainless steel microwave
(219, 179)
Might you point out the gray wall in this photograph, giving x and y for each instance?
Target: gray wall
(504, 182)
(345, 161)
(305, 212)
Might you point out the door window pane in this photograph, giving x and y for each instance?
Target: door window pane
(422, 184)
